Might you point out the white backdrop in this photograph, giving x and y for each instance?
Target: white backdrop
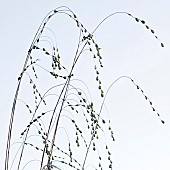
(129, 49)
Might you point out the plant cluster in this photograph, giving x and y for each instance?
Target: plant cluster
(61, 102)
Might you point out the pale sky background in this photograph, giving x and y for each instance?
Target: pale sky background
(142, 142)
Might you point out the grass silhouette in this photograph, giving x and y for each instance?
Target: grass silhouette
(61, 103)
